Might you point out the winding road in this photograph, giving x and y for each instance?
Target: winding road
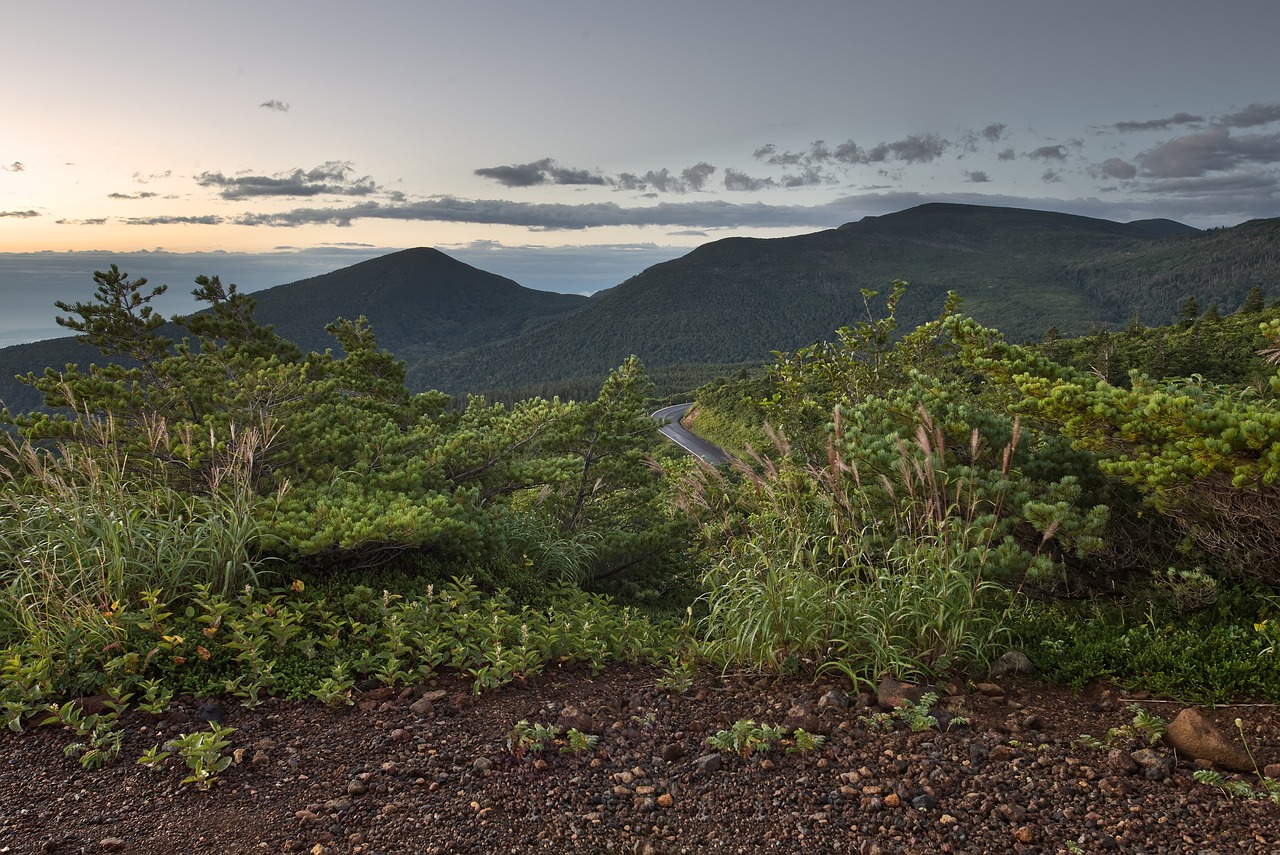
(668, 419)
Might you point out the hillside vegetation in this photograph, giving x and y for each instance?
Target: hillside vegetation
(730, 303)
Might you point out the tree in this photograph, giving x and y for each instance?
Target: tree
(1254, 302)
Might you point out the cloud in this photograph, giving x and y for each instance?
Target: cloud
(1007, 154)
(96, 221)
(696, 176)
(1251, 116)
(1237, 184)
(1210, 150)
(16, 166)
(332, 178)
(139, 178)
(1159, 124)
(1114, 167)
(689, 233)
(1050, 176)
(1049, 152)
(740, 181)
(545, 171)
(144, 195)
(21, 215)
(977, 177)
(994, 132)
(206, 220)
(276, 105)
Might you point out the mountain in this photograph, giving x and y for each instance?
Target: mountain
(733, 301)
(420, 302)
(1022, 271)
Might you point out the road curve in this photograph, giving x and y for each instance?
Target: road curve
(668, 419)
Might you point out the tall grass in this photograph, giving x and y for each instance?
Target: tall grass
(821, 568)
(82, 529)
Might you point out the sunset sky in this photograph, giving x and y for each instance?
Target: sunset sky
(571, 144)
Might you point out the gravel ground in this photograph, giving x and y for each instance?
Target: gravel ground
(427, 770)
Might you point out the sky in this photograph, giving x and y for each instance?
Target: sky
(569, 145)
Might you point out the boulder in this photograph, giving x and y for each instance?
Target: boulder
(1193, 735)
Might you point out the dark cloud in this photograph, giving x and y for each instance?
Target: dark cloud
(16, 166)
(1049, 152)
(276, 104)
(206, 220)
(96, 221)
(912, 149)
(1251, 116)
(689, 233)
(738, 181)
(810, 176)
(1007, 154)
(144, 195)
(1237, 184)
(545, 171)
(1210, 150)
(696, 176)
(333, 178)
(21, 215)
(1050, 176)
(977, 177)
(1159, 124)
(1114, 167)
(994, 132)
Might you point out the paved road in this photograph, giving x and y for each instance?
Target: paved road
(669, 420)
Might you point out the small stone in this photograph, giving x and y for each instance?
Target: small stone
(356, 787)
(422, 708)
(891, 693)
(766, 765)
(1119, 761)
(665, 800)
(1156, 766)
(671, 752)
(400, 735)
(1025, 834)
(947, 819)
(708, 763)
(1272, 770)
(892, 800)
(834, 699)
(924, 802)
(482, 764)
(1001, 754)
(991, 690)
(1013, 662)
(111, 844)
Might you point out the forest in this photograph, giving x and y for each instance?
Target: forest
(223, 514)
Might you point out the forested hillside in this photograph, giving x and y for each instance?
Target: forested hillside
(730, 303)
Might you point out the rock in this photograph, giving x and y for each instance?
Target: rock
(1118, 760)
(665, 800)
(1025, 834)
(400, 735)
(422, 708)
(1272, 770)
(211, 712)
(834, 699)
(1001, 754)
(671, 752)
(111, 844)
(573, 718)
(1156, 766)
(800, 718)
(990, 690)
(482, 764)
(1195, 736)
(892, 800)
(1012, 663)
(924, 802)
(432, 696)
(891, 693)
(708, 763)
(357, 787)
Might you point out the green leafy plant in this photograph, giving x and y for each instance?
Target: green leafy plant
(804, 742)
(578, 743)
(745, 737)
(201, 751)
(1147, 728)
(526, 737)
(101, 747)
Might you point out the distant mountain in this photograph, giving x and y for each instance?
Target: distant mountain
(1022, 271)
(733, 301)
(420, 302)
